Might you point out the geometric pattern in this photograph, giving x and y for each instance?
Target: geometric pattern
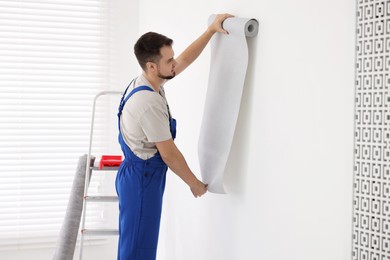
(371, 187)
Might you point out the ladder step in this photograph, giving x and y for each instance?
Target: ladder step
(102, 198)
(100, 232)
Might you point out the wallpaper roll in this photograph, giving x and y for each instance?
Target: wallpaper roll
(229, 61)
(67, 238)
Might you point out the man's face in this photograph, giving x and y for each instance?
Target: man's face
(166, 66)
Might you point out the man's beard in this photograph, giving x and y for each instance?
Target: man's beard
(166, 76)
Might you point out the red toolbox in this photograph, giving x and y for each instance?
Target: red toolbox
(110, 161)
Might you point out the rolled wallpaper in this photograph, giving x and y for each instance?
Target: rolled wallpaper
(229, 61)
(67, 238)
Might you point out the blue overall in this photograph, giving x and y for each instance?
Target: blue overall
(140, 187)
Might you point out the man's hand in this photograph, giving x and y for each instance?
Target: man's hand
(216, 26)
(198, 188)
(192, 52)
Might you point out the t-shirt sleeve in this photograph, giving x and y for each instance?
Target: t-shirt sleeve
(155, 124)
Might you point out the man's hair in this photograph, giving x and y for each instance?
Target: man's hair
(148, 46)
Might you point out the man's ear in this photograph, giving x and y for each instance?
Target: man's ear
(151, 66)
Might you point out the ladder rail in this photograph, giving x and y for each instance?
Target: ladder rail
(88, 168)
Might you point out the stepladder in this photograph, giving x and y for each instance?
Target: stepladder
(91, 168)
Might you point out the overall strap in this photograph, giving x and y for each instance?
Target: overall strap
(124, 93)
(124, 100)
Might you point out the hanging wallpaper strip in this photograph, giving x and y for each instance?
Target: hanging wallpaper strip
(229, 61)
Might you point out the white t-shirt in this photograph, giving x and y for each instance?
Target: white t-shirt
(145, 119)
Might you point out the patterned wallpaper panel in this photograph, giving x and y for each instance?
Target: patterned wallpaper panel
(371, 213)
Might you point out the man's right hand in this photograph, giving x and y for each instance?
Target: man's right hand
(198, 188)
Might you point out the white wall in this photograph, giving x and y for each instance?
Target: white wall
(289, 177)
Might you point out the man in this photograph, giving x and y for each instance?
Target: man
(146, 133)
